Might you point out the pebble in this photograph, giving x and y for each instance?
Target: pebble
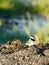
(24, 55)
(0, 63)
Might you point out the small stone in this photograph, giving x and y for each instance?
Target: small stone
(18, 63)
(11, 51)
(9, 42)
(0, 63)
(48, 64)
(23, 58)
(25, 46)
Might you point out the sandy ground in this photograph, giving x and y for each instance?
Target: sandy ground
(17, 53)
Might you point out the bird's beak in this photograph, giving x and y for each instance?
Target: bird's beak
(31, 37)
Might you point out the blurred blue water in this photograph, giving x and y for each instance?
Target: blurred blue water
(18, 30)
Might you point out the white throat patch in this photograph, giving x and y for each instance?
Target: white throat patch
(30, 42)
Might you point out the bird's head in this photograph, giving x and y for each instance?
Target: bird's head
(32, 38)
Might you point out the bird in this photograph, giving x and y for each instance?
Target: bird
(31, 41)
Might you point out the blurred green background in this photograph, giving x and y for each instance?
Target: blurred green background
(21, 18)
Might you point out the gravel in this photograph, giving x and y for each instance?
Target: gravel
(17, 53)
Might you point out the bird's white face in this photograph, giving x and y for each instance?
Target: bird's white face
(31, 41)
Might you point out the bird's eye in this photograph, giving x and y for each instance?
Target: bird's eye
(33, 39)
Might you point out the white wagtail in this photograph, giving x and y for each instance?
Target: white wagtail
(31, 41)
